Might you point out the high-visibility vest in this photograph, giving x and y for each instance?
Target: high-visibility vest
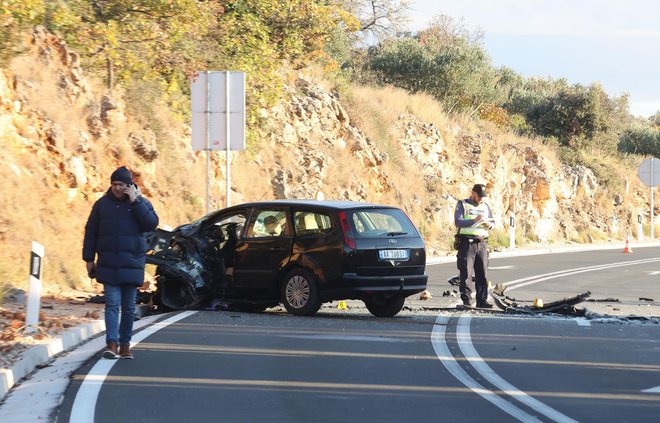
(470, 211)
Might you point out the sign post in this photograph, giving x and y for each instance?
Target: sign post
(216, 95)
(649, 173)
(34, 288)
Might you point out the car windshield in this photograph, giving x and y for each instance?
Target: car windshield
(382, 222)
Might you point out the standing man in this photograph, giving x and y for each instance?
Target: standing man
(115, 237)
(473, 218)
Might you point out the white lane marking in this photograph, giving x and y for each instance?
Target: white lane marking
(500, 267)
(511, 285)
(656, 272)
(84, 404)
(655, 390)
(444, 355)
(581, 321)
(478, 363)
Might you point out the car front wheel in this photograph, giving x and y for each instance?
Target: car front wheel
(300, 294)
(384, 306)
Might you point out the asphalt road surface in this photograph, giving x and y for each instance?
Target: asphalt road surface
(427, 364)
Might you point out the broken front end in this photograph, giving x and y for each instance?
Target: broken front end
(188, 271)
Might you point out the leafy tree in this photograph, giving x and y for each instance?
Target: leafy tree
(641, 139)
(452, 69)
(655, 120)
(133, 39)
(581, 117)
(378, 19)
(265, 37)
(15, 17)
(159, 44)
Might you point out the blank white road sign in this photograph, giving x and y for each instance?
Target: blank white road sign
(209, 107)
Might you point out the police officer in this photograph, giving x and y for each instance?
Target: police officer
(473, 218)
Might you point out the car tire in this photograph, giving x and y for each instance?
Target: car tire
(381, 306)
(299, 292)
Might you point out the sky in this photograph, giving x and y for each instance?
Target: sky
(613, 42)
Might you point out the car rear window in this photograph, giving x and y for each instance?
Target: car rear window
(374, 223)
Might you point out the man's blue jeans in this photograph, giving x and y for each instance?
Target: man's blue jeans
(116, 296)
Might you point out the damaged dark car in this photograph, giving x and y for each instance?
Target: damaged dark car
(299, 253)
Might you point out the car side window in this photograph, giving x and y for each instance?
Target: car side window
(312, 223)
(268, 223)
(227, 230)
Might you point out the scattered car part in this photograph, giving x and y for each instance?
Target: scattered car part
(563, 306)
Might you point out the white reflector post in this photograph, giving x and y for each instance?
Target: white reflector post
(512, 232)
(34, 289)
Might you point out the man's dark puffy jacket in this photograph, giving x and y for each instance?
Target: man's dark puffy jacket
(115, 231)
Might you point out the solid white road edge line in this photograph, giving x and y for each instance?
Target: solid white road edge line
(511, 285)
(478, 363)
(444, 355)
(84, 405)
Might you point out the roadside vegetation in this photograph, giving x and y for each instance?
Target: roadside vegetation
(161, 43)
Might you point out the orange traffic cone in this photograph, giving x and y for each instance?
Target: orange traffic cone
(627, 249)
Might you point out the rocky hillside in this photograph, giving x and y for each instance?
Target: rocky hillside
(62, 135)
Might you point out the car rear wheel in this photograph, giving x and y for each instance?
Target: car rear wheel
(381, 306)
(300, 294)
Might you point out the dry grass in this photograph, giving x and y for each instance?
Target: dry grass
(376, 110)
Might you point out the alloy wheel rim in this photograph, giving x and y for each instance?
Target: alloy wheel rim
(297, 291)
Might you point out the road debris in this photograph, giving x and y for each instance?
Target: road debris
(564, 306)
(426, 295)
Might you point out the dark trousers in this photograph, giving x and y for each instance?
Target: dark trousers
(472, 260)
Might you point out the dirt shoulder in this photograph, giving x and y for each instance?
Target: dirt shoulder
(57, 315)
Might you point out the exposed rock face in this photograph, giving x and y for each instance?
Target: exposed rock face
(549, 200)
(58, 159)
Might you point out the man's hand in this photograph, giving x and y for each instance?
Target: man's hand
(132, 192)
(91, 269)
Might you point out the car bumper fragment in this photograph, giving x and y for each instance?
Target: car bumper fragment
(564, 306)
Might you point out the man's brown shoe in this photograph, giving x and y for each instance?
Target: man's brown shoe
(110, 351)
(125, 351)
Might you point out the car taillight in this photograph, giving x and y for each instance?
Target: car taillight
(346, 230)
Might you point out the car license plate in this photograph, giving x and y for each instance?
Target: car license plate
(393, 254)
